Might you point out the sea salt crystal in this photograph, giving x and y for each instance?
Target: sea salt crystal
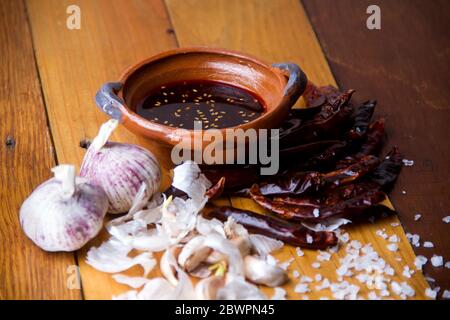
(437, 261)
(309, 239)
(419, 262)
(414, 239)
(446, 219)
(299, 251)
(325, 284)
(394, 238)
(392, 247)
(381, 234)
(286, 264)
(323, 256)
(396, 288)
(407, 290)
(446, 294)
(315, 265)
(301, 288)
(395, 224)
(403, 191)
(407, 272)
(417, 217)
(372, 296)
(344, 237)
(316, 212)
(318, 277)
(305, 279)
(385, 293)
(295, 274)
(428, 244)
(430, 293)
(447, 264)
(408, 163)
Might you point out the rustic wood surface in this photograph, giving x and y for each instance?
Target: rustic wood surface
(73, 64)
(406, 66)
(26, 156)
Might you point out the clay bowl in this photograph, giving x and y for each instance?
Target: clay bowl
(278, 86)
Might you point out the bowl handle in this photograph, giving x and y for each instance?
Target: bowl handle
(107, 100)
(297, 82)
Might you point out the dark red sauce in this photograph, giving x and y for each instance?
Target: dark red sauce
(216, 105)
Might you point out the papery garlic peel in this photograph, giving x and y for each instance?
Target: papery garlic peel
(120, 169)
(63, 214)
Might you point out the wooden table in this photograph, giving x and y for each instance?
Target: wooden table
(49, 75)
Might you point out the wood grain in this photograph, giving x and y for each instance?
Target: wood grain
(73, 64)
(280, 31)
(406, 66)
(26, 156)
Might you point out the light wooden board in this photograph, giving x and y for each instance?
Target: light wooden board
(279, 31)
(74, 63)
(26, 272)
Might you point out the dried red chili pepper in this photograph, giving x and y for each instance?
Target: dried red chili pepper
(362, 116)
(290, 233)
(236, 176)
(216, 190)
(387, 172)
(333, 119)
(370, 145)
(307, 182)
(332, 205)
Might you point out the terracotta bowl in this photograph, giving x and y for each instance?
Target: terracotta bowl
(278, 86)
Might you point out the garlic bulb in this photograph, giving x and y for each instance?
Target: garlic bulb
(63, 213)
(120, 169)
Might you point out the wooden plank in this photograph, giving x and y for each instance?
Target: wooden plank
(73, 64)
(410, 77)
(26, 156)
(280, 31)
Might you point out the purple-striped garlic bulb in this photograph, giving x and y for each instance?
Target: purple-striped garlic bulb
(65, 212)
(120, 169)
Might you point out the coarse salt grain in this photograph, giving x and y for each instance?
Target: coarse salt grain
(447, 264)
(295, 274)
(318, 277)
(309, 239)
(381, 234)
(446, 219)
(315, 265)
(428, 244)
(419, 262)
(392, 247)
(325, 284)
(403, 191)
(407, 272)
(302, 288)
(417, 217)
(305, 279)
(323, 256)
(286, 264)
(437, 261)
(430, 293)
(316, 212)
(408, 163)
(446, 294)
(299, 251)
(394, 238)
(395, 224)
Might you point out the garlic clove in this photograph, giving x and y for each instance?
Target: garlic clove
(260, 272)
(206, 289)
(120, 169)
(193, 253)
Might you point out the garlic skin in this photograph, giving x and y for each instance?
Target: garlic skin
(63, 214)
(259, 271)
(120, 169)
